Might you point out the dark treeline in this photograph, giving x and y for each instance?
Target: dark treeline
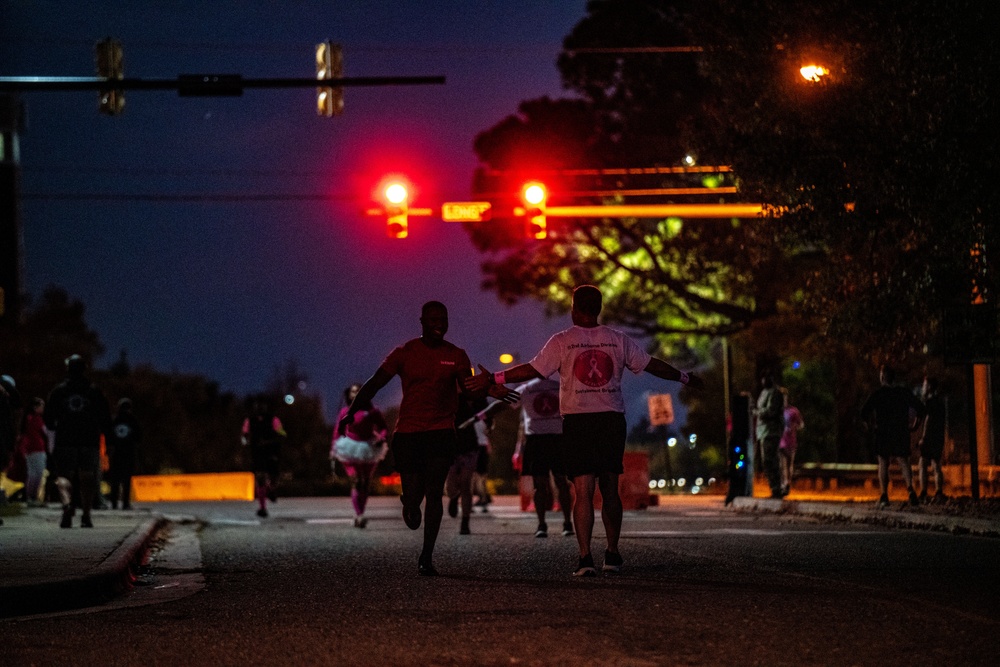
(189, 424)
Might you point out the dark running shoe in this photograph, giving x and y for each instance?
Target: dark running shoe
(272, 495)
(567, 528)
(67, 517)
(585, 568)
(425, 568)
(914, 501)
(612, 562)
(411, 515)
(883, 502)
(464, 530)
(453, 507)
(543, 530)
(85, 521)
(262, 513)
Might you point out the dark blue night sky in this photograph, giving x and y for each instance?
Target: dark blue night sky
(233, 289)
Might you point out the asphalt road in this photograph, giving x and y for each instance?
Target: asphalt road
(702, 585)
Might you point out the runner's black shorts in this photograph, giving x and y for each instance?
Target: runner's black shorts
(424, 451)
(67, 461)
(593, 443)
(888, 445)
(542, 454)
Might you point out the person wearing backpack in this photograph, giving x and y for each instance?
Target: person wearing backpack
(79, 414)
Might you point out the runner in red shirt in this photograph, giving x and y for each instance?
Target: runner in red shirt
(431, 371)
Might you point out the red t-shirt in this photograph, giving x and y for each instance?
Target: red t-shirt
(431, 377)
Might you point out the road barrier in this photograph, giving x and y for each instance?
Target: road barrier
(203, 486)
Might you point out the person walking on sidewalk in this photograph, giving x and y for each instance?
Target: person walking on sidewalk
(79, 414)
(34, 446)
(123, 443)
(359, 447)
(770, 427)
(888, 411)
(932, 439)
(590, 359)
(431, 371)
(789, 444)
(538, 453)
(263, 433)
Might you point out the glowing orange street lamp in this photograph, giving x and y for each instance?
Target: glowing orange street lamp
(813, 73)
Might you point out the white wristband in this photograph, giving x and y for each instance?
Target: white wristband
(499, 377)
(684, 378)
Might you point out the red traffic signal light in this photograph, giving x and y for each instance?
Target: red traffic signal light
(396, 197)
(534, 196)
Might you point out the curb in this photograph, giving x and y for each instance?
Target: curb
(895, 518)
(112, 577)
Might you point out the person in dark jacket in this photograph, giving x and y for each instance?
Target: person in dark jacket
(9, 402)
(123, 441)
(79, 414)
(263, 434)
(892, 412)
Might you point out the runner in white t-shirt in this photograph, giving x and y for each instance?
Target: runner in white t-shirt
(590, 359)
(539, 450)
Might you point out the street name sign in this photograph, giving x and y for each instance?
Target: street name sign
(466, 211)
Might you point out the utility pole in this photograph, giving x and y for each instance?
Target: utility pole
(11, 232)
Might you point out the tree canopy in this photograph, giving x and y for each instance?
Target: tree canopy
(882, 169)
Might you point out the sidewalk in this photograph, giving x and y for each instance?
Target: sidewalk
(45, 568)
(955, 517)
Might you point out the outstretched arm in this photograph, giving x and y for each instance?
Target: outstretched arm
(514, 375)
(662, 369)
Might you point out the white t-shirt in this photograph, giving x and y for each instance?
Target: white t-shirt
(539, 405)
(590, 361)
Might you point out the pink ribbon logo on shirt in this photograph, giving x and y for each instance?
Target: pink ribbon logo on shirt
(593, 368)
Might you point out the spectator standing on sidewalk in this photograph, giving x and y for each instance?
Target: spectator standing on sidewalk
(123, 443)
(789, 443)
(888, 412)
(431, 370)
(770, 414)
(79, 414)
(590, 359)
(359, 446)
(34, 443)
(9, 402)
(932, 439)
(538, 453)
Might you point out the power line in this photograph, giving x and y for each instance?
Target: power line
(234, 197)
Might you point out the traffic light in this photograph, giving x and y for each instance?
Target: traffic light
(396, 197)
(110, 65)
(329, 65)
(534, 194)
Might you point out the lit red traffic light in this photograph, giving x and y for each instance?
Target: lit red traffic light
(534, 195)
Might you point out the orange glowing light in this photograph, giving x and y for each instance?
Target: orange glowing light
(813, 72)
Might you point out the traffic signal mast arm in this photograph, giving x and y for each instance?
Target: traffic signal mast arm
(208, 83)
